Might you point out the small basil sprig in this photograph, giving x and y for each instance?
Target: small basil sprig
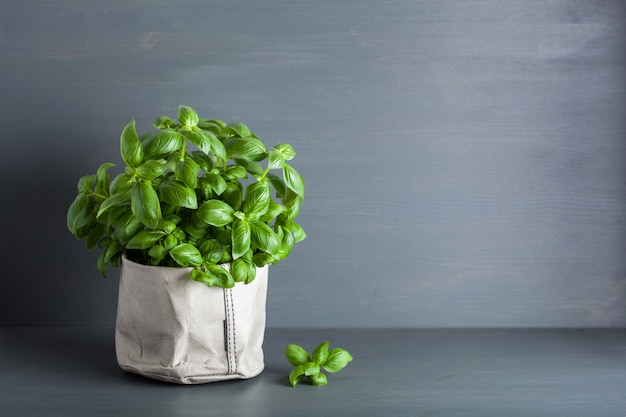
(310, 365)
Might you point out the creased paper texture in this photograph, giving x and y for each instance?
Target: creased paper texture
(174, 329)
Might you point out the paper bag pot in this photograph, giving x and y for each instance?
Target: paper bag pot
(177, 330)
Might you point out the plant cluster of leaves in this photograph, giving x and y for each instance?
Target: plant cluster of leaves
(194, 193)
(311, 365)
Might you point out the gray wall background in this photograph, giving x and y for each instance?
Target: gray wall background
(464, 160)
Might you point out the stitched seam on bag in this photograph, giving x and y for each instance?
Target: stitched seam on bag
(232, 301)
(228, 350)
(234, 333)
(230, 318)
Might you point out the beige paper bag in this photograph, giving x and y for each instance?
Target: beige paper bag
(177, 330)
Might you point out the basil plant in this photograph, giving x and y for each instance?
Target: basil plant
(194, 193)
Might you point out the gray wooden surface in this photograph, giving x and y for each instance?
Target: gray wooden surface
(67, 372)
(464, 160)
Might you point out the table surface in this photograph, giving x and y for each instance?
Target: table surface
(419, 373)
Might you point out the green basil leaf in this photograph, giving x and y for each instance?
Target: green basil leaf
(196, 229)
(239, 270)
(203, 160)
(233, 172)
(251, 269)
(113, 201)
(240, 237)
(130, 146)
(94, 236)
(264, 238)
(239, 129)
(276, 160)
(296, 375)
(187, 116)
(84, 231)
(104, 242)
(223, 235)
(293, 208)
(212, 251)
(214, 126)
(186, 255)
(215, 145)
(170, 242)
(213, 275)
(205, 189)
(293, 180)
(122, 182)
(80, 213)
(274, 209)
(150, 169)
(145, 204)
(163, 122)
(113, 251)
(226, 257)
(296, 355)
(85, 183)
(337, 359)
(102, 185)
(216, 213)
(201, 276)
(257, 199)
(174, 218)
(167, 226)
(296, 230)
(278, 184)
(145, 239)
(180, 234)
(286, 150)
(287, 243)
(320, 353)
(161, 143)
(178, 194)
(223, 278)
(102, 265)
(248, 256)
(251, 149)
(261, 259)
(124, 224)
(319, 379)
(311, 368)
(198, 139)
(157, 253)
(216, 182)
(233, 195)
(186, 171)
(250, 166)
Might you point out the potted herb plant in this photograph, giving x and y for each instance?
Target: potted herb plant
(199, 212)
